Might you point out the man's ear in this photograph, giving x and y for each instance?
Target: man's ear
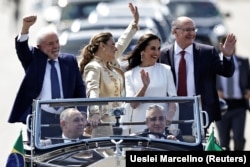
(62, 123)
(38, 46)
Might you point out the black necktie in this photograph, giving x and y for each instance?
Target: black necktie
(55, 87)
(182, 76)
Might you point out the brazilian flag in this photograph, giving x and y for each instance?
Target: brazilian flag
(16, 157)
(212, 144)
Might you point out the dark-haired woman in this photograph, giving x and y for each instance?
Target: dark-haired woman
(146, 77)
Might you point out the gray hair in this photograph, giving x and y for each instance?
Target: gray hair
(177, 22)
(44, 32)
(65, 114)
(154, 106)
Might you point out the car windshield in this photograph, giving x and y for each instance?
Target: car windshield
(123, 124)
(193, 9)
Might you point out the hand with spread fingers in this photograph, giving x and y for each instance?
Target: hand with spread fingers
(134, 11)
(228, 48)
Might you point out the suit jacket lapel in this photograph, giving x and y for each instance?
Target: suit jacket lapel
(64, 70)
(242, 73)
(171, 61)
(40, 65)
(197, 63)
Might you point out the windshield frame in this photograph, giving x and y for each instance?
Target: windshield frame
(36, 124)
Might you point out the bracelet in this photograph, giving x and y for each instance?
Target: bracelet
(94, 110)
(135, 26)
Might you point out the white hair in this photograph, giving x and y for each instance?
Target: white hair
(154, 106)
(65, 114)
(44, 32)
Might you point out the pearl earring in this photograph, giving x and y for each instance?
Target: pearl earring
(141, 56)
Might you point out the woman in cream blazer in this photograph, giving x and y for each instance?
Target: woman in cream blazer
(102, 74)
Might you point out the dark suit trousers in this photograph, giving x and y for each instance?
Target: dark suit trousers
(233, 120)
(186, 113)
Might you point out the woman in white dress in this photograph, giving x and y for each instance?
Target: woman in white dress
(146, 77)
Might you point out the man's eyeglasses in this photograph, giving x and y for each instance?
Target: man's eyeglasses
(187, 29)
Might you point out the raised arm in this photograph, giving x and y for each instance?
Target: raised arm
(135, 12)
(128, 34)
(28, 21)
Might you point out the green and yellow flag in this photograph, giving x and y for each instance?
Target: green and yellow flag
(212, 145)
(16, 157)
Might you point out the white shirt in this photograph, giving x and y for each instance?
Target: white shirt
(152, 136)
(236, 77)
(189, 57)
(45, 93)
(67, 140)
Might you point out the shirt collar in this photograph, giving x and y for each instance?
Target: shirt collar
(178, 49)
(66, 139)
(152, 136)
(54, 60)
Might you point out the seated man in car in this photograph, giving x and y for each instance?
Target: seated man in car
(72, 123)
(156, 125)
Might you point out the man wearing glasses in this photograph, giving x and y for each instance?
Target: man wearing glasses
(195, 66)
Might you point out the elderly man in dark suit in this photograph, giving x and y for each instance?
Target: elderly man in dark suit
(195, 67)
(72, 123)
(38, 63)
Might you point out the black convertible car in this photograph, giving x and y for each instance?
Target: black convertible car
(109, 150)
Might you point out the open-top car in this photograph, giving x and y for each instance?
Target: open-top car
(110, 150)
